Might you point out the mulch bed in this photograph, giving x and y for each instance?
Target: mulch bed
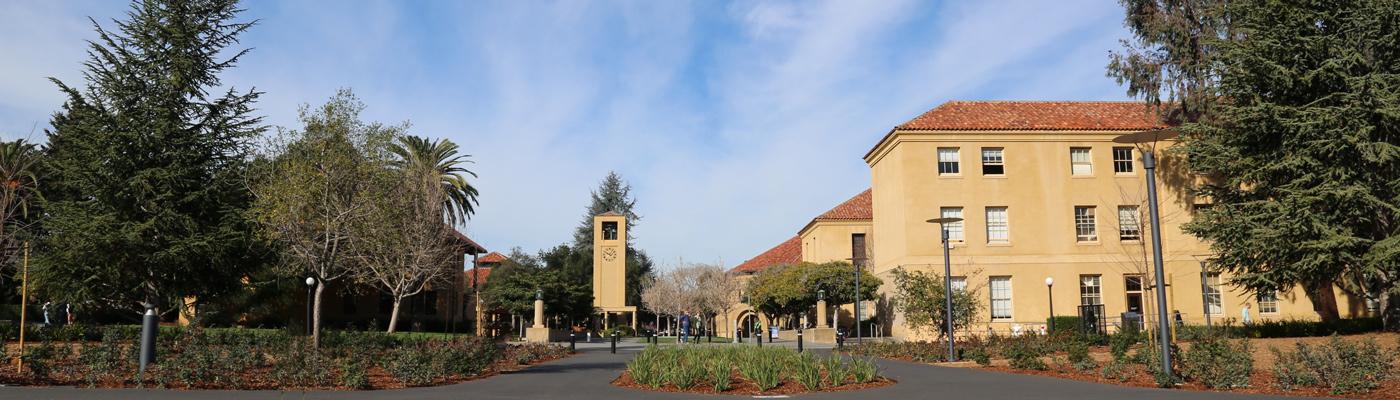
(260, 379)
(742, 387)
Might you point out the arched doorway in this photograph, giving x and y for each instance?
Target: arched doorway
(746, 322)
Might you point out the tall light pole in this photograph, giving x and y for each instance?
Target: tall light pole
(947, 280)
(1050, 292)
(1149, 163)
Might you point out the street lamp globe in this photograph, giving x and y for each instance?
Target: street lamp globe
(310, 281)
(1049, 281)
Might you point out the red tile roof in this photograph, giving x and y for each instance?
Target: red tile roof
(857, 207)
(1037, 115)
(787, 252)
(493, 257)
(481, 274)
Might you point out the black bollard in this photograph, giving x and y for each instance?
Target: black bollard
(571, 342)
(614, 343)
(799, 340)
(148, 338)
(758, 337)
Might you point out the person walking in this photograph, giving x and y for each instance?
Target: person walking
(684, 322)
(1244, 315)
(47, 305)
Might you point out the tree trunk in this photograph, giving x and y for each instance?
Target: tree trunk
(394, 315)
(1324, 301)
(316, 314)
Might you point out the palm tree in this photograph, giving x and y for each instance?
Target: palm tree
(439, 159)
(18, 183)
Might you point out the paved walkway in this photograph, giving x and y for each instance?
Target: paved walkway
(587, 376)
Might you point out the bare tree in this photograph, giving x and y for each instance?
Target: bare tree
(719, 292)
(403, 245)
(659, 295)
(310, 188)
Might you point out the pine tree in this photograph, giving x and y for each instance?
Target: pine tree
(1290, 110)
(145, 199)
(1305, 151)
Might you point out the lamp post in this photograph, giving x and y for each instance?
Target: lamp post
(1149, 163)
(947, 280)
(1050, 293)
(310, 306)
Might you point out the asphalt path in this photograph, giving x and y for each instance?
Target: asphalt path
(587, 375)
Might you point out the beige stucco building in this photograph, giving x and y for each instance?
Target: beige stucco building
(1044, 193)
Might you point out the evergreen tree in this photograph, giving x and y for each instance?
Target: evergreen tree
(146, 197)
(1305, 150)
(1290, 109)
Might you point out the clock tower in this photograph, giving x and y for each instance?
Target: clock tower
(610, 266)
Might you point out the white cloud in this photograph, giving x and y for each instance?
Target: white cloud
(735, 126)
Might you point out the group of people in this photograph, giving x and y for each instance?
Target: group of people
(67, 309)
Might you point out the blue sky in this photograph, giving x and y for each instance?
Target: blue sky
(736, 123)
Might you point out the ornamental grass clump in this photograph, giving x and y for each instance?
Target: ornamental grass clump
(763, 367)
(646, 368)
(864, 370)
(836, 370)
(808, 372)
(719, 371)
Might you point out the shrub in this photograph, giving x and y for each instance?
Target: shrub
(104, 360)
(719, 370)
(1119, 343)
(1218, 363)
(468, 357)
(413, 365)
(1117, 370)
(1025, 353)
(354, 373)
(836, 370)
(38, 360)
(1078, 354)
(298, 364)
(646, 368)
(1343, 366)
(864, 369)
(808, 372)
(1065, 325)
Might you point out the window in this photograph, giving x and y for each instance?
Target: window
(992, 162)
(1133, 288)
(997, 228)
(1212, 289)
(609, 230)
(430, 302)
(1084, 228)
(1001, 298)
(955, 229)
(1090, 290)
(1268, 302)
(948, 161)
(1080, 163)
(959, 283)
(1122, 160)
(1128, 227)
(858, 248)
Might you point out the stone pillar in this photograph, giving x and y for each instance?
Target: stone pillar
(821, 313)
(539, 313)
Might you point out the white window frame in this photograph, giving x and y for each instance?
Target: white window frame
(1120, 164)
(1215, 304)
(1268, 302)
(952, 158)
(1090, 290)
(1001, 306)
(1129, 223)
(993, 156)
(1081, 161)
(956, 233)
(1086, 224)
(998, 225)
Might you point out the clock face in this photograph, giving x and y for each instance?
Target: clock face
(609, 254)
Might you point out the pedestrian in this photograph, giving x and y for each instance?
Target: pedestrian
(685, 326)
(47, 304)
(1244, 315)
(68, 308)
